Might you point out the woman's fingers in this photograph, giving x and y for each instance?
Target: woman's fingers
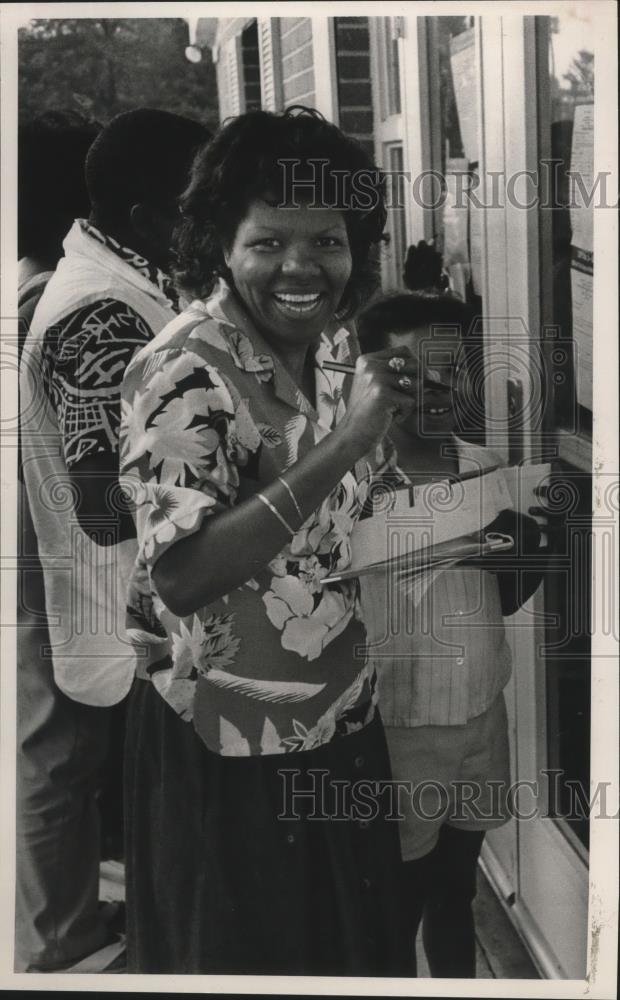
(385, 385)
(403, 383)
(400, 402)
(395, 365)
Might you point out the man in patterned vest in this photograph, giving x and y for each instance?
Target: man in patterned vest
(109, 295)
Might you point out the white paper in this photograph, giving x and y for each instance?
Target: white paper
(428, 515)
(420, 517)
(455, 222)
(475, 245)
(464, 78)
(522, 482)
(581, 283)
(414, 584)
(459, 275)
(582, 164)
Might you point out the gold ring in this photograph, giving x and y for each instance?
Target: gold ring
(405, 382)
(396, 364)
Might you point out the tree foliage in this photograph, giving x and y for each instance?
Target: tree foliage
(580, 76)
(104, 66)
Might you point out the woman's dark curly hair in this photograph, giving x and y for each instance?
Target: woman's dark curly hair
(243, 161)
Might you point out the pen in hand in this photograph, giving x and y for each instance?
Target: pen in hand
(337, 366)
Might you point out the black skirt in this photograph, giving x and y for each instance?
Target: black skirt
(231, 870)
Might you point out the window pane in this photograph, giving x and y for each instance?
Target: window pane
(453, 61)
(392, 67)
(566, 141)
(399, 227)
(566, 94)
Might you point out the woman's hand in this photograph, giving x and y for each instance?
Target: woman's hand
(385, 385)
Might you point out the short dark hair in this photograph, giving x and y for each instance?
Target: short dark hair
(52, 191)
(404, 311)
(141, 156)
(244, 162)
(408, 310)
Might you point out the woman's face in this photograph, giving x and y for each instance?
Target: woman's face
(290, 266)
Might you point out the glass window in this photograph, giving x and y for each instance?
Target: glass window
(396, 221)
(251, 68)
(392, 66)
(566, 94)
(453, 60)
(566, 69)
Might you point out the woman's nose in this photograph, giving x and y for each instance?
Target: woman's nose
(299, 260)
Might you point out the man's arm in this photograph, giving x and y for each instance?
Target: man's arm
(94, 349)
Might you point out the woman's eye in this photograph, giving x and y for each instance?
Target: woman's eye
(267, 242)
(329, 241)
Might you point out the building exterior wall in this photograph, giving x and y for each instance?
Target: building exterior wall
(297, 57)
(319, 62)
(229, 80)
(354, 87)
(270, 56)
(251, 67)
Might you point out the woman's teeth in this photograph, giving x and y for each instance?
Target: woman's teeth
(436, 411)
(298, 303)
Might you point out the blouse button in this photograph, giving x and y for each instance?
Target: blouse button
(359, 761)
(460, 613)
(364, 824)
(459, 661)
(366, 883)
(290, 838)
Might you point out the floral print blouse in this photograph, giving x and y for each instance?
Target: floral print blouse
(209, 417)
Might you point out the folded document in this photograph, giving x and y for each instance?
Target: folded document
(413, 528)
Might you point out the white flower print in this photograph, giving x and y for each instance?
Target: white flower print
(270, 437)
(312, 572)
(162, 532)
(245, 433)
(305, 628)
(323, 731)
(177, 691)
(219, 644)
(270, 741)
(278, 692)
(293, 432)
(178, 421)
(278, 565)
(187, 647)
(330, 530)
(241, 350)
(210, 334)
(231, 740)
(204, 645)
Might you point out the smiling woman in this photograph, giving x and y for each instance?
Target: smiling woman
(250, 463)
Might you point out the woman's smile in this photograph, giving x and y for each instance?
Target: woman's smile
(298, 304)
